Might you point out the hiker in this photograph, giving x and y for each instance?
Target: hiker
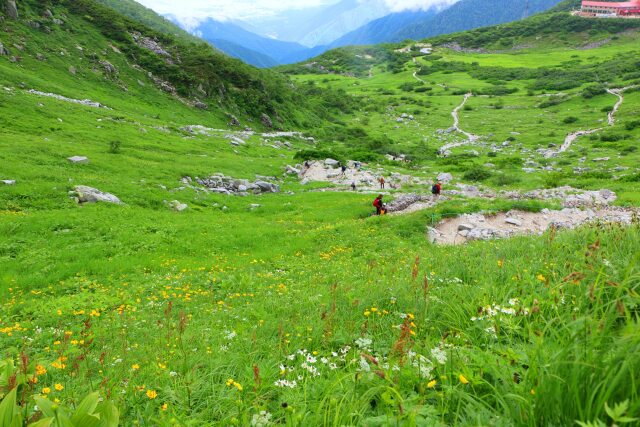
(381, 181)
(353, 185)
(436, 190)
(307, 165)
(357, 165)
(379, 205)
(344, 170)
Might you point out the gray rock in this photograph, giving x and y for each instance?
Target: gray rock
(254, 206)
(292, 170)
(513, 221)
(331, 163)
(8, 181)
(108, 67)
(78, 159)
(86, 194)
(242, 188)
(467, 227)
(233, 120)
(267, 187)
(402, 202)
(177, 206)
(266, 120)
(201, 105)
(57, 21)
(3, 51)
(432, 234)
(305, 181)
(445, 177)
(47, 14)
(12, 9)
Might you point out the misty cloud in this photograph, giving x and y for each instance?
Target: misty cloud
(401, 5)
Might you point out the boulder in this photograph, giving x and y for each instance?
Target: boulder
(402, 202)
(8, 181)
(47, 14)
(78, 159)
(331, 163)
(12, 9)
(108, 67)
(86, 194)
(3, 51)
(266, 120)
(267, 187)
(201, 105)
(72, 70)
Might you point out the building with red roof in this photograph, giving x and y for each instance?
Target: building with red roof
(627, 8)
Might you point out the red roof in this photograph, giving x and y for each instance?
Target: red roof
(617, 5)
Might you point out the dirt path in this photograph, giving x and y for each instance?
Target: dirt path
(611, 120)
(471, 138)
(465, 228)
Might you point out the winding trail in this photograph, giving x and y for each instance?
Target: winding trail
(611, 120)
(471, 138)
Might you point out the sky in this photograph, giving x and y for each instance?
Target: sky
(251, 9)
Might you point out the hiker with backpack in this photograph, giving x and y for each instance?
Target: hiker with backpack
(381, 181)
(377, 203)
(436, 189)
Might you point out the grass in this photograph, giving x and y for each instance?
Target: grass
(306, 310)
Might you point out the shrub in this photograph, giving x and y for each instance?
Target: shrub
(114, 147)
(477, 174)
(569, 120)
(504, 180)
(593, 90)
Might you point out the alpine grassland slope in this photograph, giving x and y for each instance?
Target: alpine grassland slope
(266, 299)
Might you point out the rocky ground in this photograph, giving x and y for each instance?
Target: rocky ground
(470, 227)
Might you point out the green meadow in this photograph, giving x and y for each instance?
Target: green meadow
(300, 308)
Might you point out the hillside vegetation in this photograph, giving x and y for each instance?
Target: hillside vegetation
(226, 286)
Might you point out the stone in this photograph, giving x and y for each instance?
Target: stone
(78, 159)
(266, 120)
(201, 105)
(513, 221)
(233, 120)
(72, 70)
(467, 227)
(432, 234)
(108, 67)
(402, 202)
(254, 206)
(267, 187)
(40, 57)
(331, 163)
(293, 171)
(445, 177)
(8, 181)
(47, 14)
(3, 50)
(86, 194)
(177, 206)
(11, 9)
(305, 181)
(57, 21)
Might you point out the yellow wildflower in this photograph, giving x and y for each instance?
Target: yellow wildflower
(46, 390)
(432, 384)
(164, 406)
(58, 387)
(152, 394)
(463, 380)
(40, 370)
(135, 367)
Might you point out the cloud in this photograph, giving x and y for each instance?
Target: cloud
(401, 5)
(185, 10)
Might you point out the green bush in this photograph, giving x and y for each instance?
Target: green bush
(477, 174)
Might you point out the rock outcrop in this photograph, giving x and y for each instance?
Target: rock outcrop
(78, 160)
(11, 9)
(231, 186)
(266, 121)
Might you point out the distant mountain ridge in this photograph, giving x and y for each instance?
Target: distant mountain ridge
(461, 16)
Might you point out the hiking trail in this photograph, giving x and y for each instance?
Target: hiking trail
(611, 120)
(471, 138)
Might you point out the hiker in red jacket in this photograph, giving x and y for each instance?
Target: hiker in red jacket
(378, 205)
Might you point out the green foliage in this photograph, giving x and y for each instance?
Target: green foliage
(477, 174)
(569, 120)
(593, 90)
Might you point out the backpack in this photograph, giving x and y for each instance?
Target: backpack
(434, 189)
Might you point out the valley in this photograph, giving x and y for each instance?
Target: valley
(180, 246)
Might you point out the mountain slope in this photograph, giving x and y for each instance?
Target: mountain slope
(464, 15)
(257, 50)
(470, 14)
(380, 30)
(148, 17)
(320, 25)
